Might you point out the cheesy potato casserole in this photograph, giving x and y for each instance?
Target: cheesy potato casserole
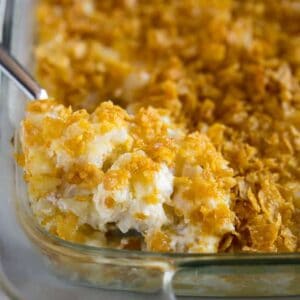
(176, 124)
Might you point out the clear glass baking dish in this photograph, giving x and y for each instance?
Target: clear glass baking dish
(222, 275)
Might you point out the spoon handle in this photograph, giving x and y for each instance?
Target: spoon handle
(15, 71)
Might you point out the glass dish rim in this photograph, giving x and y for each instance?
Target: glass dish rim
(177, 257)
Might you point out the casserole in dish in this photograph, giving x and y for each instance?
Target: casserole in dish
(195, 274)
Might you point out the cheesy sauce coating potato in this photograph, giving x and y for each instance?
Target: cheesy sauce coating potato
(139, 172)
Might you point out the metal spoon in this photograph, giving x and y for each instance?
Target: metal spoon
(17, 73)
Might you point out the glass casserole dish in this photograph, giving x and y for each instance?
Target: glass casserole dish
(183, 274)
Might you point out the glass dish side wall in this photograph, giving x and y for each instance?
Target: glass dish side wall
(197, 275)
(202, 275)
